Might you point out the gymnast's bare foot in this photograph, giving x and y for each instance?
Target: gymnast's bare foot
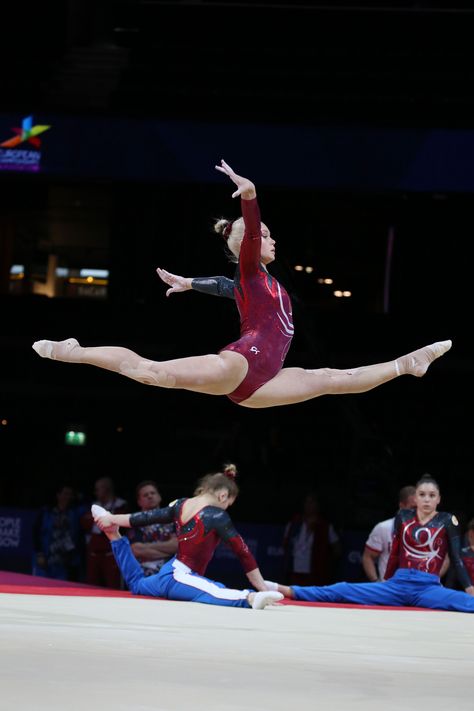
(418, 362)
(57, 350)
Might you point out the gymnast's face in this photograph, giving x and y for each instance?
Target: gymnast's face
(267, 254)
(427, 499)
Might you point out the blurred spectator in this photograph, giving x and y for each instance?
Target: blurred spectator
(467, 553)
(57, 538)
(101, 568)
(155, 544)
(377, 546)
(311, 546)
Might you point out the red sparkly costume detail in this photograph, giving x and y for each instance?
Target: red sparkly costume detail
(266, 322)
(423, 546)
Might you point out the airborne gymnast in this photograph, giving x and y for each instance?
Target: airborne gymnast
(249, 371)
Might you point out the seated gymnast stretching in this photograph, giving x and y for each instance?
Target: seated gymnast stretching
(249, 371)
(201, 523)
(422, 538)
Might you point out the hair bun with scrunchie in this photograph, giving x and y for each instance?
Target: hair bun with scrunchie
(230, 471)
(223, 228)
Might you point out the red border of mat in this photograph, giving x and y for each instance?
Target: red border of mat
(19, 584)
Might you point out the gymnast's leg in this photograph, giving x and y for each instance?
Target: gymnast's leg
(131, 570)
(212, 374)
(177, 582)
(387, 593)
(186, 585)
(293, 385)
(437, 597)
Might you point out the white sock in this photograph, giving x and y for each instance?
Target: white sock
(98, 511)
(271, 585)
(264, 598)
(43, 348)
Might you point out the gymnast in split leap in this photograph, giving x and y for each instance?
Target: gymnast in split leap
(249, 371)
(201, 522)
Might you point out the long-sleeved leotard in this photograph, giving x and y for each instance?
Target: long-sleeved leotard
(423, 546)
(199, 537)
(412, 574)
(266, 321)
(182, 577)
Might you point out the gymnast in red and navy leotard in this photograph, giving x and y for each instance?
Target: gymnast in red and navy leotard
(422, 538)
(249, 371)
(201, 522)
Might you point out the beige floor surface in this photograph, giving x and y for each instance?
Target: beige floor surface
(84, 654)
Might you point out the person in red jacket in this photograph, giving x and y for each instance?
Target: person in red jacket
(311, 546)
(250, 370)
(101, 568)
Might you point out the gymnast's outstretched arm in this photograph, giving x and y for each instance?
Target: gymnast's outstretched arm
(454, 541)
(104, 519)
(216, 285)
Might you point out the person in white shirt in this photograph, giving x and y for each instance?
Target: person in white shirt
(377, 546)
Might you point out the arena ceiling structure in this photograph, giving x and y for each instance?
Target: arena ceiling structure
(409, 63)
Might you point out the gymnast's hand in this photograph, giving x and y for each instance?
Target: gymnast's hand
(177, 283)
(470, 590)
(105, 522)
(246, 189)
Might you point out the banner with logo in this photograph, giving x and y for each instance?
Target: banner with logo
(361, 158)
(16, 539)
(264, 541)
(22, 151)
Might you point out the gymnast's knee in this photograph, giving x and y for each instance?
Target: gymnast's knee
(149, 372)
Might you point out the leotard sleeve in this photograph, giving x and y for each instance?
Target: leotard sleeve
(251, 247)
(162, 515)
(229, 535)
(216, 286)
(454, 542)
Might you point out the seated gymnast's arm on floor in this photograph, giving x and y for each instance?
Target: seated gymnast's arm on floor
(231, 537)
(454, 540)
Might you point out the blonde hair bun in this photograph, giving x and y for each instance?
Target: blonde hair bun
(221, 225)
(230, 471)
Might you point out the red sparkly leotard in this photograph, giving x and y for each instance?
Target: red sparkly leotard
(423, 546)
(199, 537)
(266, 322)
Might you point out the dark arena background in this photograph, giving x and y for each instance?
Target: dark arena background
(356, 123)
